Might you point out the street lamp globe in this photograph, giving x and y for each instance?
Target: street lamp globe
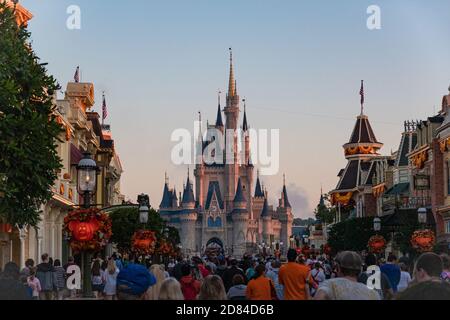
(377, 224)
(143, 213)
(87, 174)
(422, 215)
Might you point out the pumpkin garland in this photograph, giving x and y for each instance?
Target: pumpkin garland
(143, 242)
(377, 244)
(423, 240)
(87, 229)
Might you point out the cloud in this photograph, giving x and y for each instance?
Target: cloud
(299, 201)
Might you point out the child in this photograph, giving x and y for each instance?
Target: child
(34, 284)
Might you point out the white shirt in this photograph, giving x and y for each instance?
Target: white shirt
(405, 279)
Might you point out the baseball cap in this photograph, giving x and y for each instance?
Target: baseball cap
(134, 279)
(349, 260)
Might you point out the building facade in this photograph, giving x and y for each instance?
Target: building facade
(229, 210)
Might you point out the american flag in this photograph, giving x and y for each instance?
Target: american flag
(104, 109)
(76, 77)
(361, 92)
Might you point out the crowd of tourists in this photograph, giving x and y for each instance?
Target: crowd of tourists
(347, 276)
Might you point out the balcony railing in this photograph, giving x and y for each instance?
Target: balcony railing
(406, 203)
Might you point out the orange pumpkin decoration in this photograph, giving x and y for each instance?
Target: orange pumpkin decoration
(87, 229)
(423, 240)
(143, 242)
(377, 244)
(83, 231)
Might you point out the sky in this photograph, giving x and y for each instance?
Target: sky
(298, 65)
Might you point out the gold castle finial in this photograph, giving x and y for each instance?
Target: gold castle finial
(232, 82)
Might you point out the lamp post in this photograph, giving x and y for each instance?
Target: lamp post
(87, 184)
(422, 216)
(377, 225)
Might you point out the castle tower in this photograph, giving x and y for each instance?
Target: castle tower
(360, 151)
(240, 221)
(266, 217)
(188, 218)
(199, 171)
(285, 216)
(231, 153)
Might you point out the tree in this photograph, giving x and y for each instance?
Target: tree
(125, 222)
(353, 234)
(28, 129)
(325, 213)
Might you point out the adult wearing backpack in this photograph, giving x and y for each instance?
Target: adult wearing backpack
(47, 277)
(189, 285)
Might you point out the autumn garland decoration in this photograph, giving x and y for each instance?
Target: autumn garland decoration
(143, 242)
(377, 244)
(88, 229)
(423, 240)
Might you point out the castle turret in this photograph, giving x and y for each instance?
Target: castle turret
(188, 218)
(231, 152)
(266, 219)
(285, 216)
(240, 219)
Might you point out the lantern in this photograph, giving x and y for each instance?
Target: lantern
(377, 224)
(87, 174)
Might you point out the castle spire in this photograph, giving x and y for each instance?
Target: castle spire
(231, 82)
(258, 190)
(284, 194)
(245, 125)
(219, 122)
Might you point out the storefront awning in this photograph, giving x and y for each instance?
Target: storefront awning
(400, 188)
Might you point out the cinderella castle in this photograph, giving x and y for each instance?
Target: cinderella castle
(229, 211)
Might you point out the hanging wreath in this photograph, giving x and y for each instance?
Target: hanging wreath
(143, 242)
(423, 240)
(87, 229)
(377, 244)
(164, 248)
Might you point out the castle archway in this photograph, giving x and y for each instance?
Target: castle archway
(214, 246)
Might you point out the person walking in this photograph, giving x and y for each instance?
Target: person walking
(405, 278)
(34, 284)
(47, 277)
(294, 277)
(212, 288)
(238, 290)
(317, 276)
(11, 288)
(60, 283)
(158, 272)
(392, 271)
(428, 267)
(346, 285)
(445, 275)
(96, 278)
(133, 282)
(189, 285)
(273, 274)
(110, 280)
(229, 273)
(385, 290)
(261, 287)
(170, 290)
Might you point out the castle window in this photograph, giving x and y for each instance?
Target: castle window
(448, 177)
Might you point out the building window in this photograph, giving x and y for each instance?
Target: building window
(447, 226)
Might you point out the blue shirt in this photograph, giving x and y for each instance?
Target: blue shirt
(392, 271)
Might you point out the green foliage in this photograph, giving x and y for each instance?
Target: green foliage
(28, 130)
(353, 234)
(125, 221)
